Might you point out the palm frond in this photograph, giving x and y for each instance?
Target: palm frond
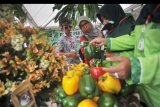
(74, 11)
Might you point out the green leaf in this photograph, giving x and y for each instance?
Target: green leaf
(15, 73)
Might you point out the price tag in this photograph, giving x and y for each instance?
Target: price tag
(102, 47)
(141, 44)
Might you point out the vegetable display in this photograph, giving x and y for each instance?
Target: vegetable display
(84, 86)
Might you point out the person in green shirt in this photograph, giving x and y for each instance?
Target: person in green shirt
(116, 23)
(144, 68)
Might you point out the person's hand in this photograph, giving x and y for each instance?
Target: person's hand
(71, 54)
(91, 63)
(98, 42)
(60, 53)
(122, 70)
(109, 54)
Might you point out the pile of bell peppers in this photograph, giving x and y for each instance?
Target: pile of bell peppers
(83, 86)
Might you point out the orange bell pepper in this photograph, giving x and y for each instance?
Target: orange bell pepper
(109, 84)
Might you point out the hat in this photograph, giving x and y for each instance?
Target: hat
(81, 19)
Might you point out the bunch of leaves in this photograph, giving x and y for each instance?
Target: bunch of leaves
(9, 11)
(74, 11)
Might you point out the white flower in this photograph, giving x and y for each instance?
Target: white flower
(44, 64)
(17, 42)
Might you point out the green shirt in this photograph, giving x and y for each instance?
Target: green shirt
(146, 74)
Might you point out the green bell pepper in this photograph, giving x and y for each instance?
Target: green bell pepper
(96, 52)
(106, 63)
(88, 87)
(60, 94)
(72, 100)
(91, 51)
(86, 71)
(126, 89)
(96, 62)
(88, 52)
(108, 100)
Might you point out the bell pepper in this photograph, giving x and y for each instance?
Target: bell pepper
(95, 62)
(91, 51)
(97, 52)
(87, 103)
(126, 89)
(109, 84)
(70, 73)
(70, 84)
(88, 52)
(96, 72)
(86, 71)
(77, 69)
(88, 87)
(95, 98)
(108, 100)
(72, 100)
(60, 94)
(106, 63)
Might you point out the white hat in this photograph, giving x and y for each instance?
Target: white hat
(83, 18)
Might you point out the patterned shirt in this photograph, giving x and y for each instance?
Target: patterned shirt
(68, 44)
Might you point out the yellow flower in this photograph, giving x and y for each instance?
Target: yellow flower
(39, 72)
(15, 66)
(31, 66)
(37, 88)
(6, 71)
(52, 59)
(24, 62)
(2, 88)
(20, 25)
(2, 23)
(14, 86)
(18, 61)
(44, 83)
(7, 55)
(10, 32)
(3, 63)
(33, 77)
(2, 41)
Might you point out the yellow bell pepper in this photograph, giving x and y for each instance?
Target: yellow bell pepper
(71, 72)
(70, 84)
(77, 69)
(87, 103)
(109, 84)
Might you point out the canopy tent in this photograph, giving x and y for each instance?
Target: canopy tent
(41, 15)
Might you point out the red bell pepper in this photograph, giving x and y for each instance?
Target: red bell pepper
(96, 72)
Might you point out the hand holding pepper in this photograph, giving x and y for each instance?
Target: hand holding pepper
(109, 54)
(123, 68)
(71, 54)
(98, 42)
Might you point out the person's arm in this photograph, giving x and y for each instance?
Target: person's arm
(141, 70)
(121, 43)
(148, 72)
